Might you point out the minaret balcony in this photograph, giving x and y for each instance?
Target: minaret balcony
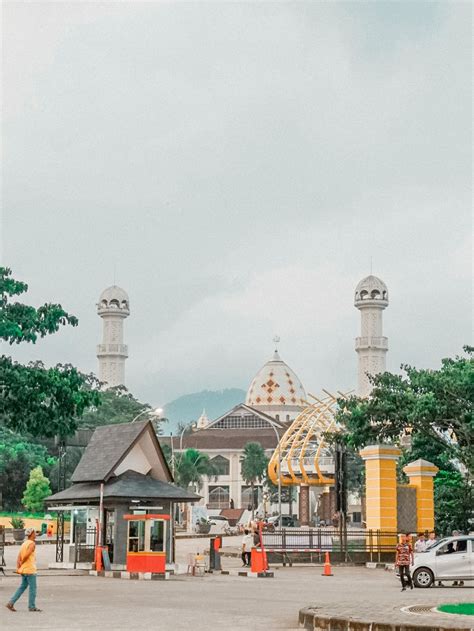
(377, 343)
(105, 350)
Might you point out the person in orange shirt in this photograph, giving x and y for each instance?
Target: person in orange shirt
(26, 567)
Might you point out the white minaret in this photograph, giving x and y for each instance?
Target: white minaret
(113, 307)
(371, 298)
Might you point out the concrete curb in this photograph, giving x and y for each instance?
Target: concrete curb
(311, 620)
(131, 576)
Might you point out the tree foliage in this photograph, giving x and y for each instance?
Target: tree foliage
(190, 468)
(253, 466)
(18, 455)
(454, 502)
(23, 323)
(37, 490)
(117, 405)
(35, 399)
(434, 403)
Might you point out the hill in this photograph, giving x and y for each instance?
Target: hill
(189, 407)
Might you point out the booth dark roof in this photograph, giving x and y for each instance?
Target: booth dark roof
(129, 485)
(108, 446)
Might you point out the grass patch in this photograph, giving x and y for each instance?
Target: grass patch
(465, 609)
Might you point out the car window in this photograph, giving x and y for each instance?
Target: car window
(453, 547)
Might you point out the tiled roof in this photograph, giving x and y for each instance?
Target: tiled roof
(107, 447)
(129, 485)
(225, 439)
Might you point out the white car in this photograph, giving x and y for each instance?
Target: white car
(219, 524)
(451, 559)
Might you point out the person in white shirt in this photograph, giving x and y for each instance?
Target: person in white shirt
(420, 543)
(247, 545)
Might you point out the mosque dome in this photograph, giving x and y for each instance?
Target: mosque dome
(114, 299)
(371, 289)
(276, 387)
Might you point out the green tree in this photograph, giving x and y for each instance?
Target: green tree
(34, 399)
(190, 468)
(453, 497)
(18, 455)
(438, 404)
(117, 405)
(253, 466)
(37, 490)
(454, 502)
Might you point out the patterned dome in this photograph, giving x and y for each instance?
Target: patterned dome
(276, 385)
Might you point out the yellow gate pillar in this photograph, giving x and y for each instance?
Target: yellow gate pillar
(421, 474)
(381, 486)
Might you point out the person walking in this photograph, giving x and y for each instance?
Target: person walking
(26, 567)
(403, 559)
(247, 545)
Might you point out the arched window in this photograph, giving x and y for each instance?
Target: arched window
(375, 294)
(363, 294)
(218, 497)
(114, 303)
(221, 464)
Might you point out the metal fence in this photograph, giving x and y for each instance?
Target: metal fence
(370, 542)
(85, 541)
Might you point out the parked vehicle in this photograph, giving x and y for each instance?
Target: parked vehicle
(287, 521)
(451, 558)
(219, 524)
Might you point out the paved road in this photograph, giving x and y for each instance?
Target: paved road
(218, 602)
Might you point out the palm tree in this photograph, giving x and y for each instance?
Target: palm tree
(191, 466)
(253, 464)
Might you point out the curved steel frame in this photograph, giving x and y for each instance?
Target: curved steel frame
(303, 444)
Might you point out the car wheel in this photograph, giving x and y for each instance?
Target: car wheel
(423, 577)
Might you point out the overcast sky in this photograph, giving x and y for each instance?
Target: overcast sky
(236, 166)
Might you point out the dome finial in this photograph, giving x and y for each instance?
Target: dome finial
(276, 340)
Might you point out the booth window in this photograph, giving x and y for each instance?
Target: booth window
(136, 536)
(157, 536)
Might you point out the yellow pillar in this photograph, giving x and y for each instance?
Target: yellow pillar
(421, 474)
(381, 486)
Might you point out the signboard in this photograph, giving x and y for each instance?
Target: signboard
(106, 559)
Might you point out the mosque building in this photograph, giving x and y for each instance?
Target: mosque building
(274, 399)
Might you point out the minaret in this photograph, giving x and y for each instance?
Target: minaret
(371, 298)
(113, 307)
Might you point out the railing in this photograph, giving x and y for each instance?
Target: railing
(329, 539)
(122, 349)
(219, 504)
(376, 342)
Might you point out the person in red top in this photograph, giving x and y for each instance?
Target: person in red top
(403, 559)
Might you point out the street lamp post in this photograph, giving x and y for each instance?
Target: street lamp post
(279, 471)
(156, 412)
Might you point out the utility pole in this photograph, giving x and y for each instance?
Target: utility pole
(341, 495)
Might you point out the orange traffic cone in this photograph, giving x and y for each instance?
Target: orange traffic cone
(327, 566)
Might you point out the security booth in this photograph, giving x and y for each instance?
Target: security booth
(146, 543)
(122, 501)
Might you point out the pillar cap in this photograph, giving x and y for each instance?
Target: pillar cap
(380, 452)
(421, 467)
